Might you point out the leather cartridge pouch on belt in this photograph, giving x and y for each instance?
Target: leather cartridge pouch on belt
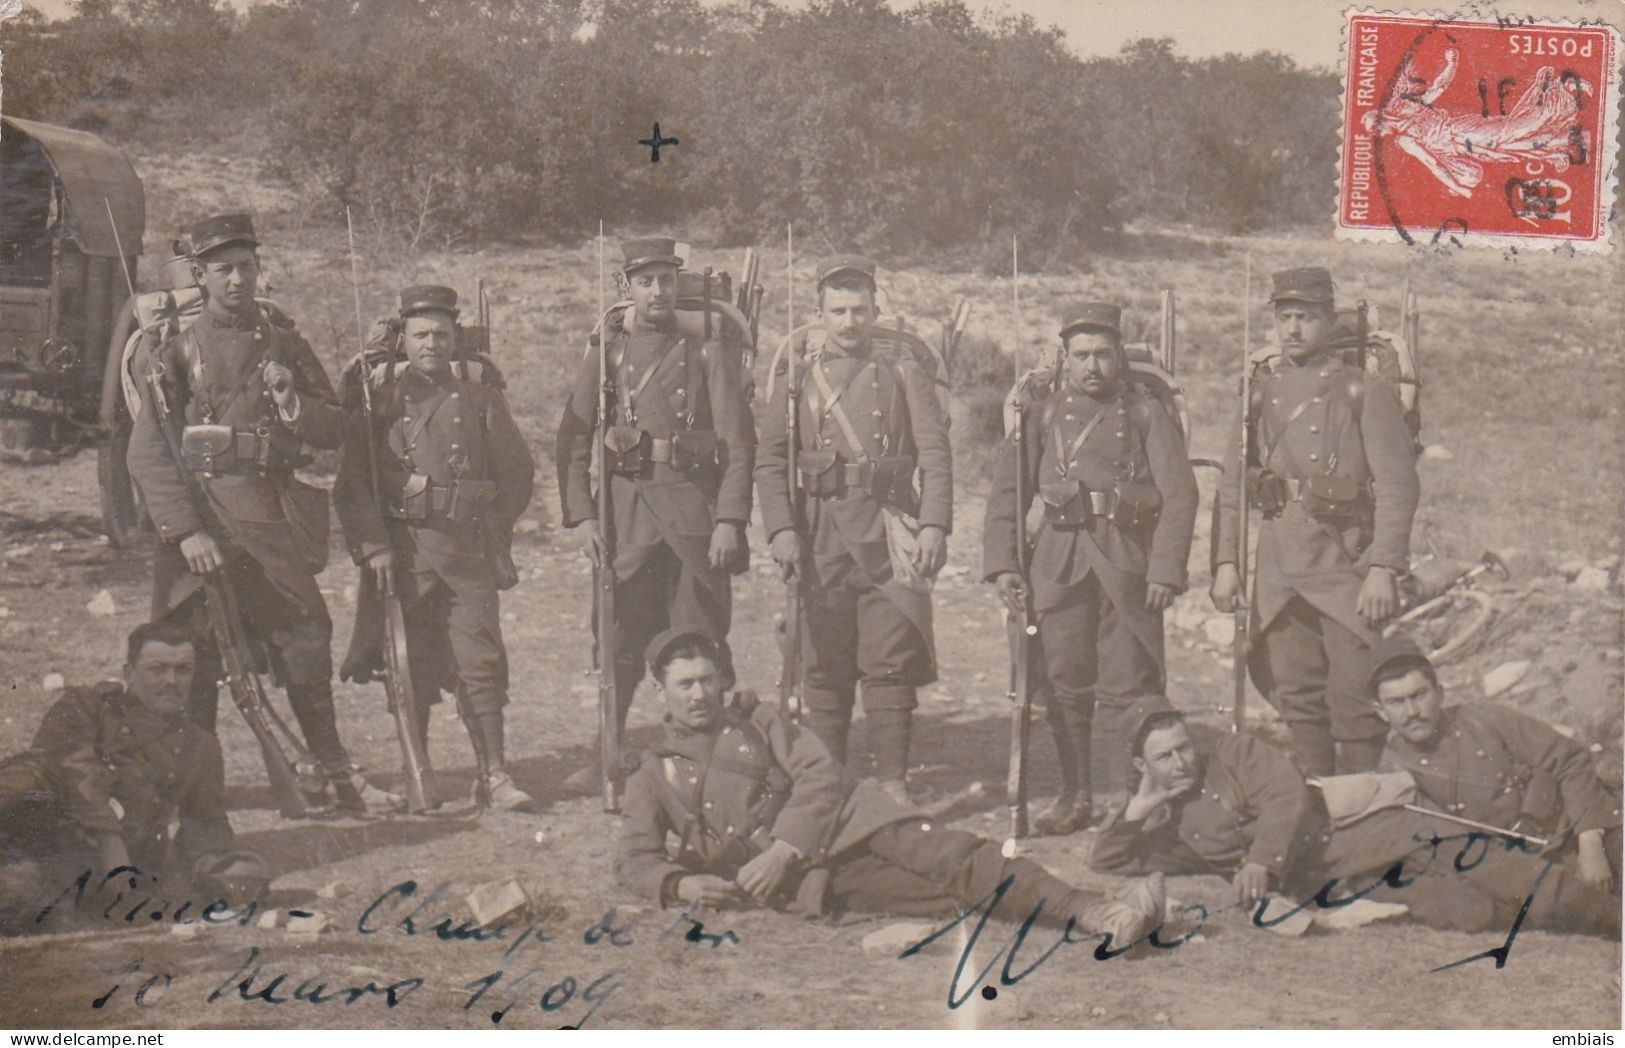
(823, 473)
(1330, 497)
(1137, 505)
(216, 448)
(1066, 503)
(625, 449)
(1266, 490)
(818, 473)
(693, 450)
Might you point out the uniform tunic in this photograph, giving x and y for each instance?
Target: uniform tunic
(449, 570)
(271, 528)
(665, 383)
(1503, 768)
(709, 802)
(97, 745)
(1316, 418)
(863, 617)
(1089, 583)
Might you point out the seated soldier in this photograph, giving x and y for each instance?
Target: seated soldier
(111, 766)
(760, 814)
(1502, 769)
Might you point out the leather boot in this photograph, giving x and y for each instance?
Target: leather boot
(889, 732)
(1357, 755)
(1073, 810)
(495, 787)
(832, 726)
(353, 792)
(1128, 918)
(1312, 747)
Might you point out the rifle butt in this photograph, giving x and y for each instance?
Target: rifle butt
(402, 693)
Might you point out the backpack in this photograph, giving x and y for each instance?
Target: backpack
(165, 314)
(1146, 377)
(1389, 357)
(729, 326)
(924, 342)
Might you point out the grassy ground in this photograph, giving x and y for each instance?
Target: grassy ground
(1521, 357)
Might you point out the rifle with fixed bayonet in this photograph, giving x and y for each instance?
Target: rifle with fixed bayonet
(398, 684)
(609, 718)
(790, 672)
(1022, 626)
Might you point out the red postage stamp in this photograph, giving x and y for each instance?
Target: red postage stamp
(1465, 131)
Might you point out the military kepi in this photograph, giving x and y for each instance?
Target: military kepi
(666, 640)
(221, 230)
(428, 298)
(833, 264)
(1393, 652)
(646, 251)
(1311, 284)
(1092, 316)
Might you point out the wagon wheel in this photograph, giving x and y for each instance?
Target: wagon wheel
(123, 513)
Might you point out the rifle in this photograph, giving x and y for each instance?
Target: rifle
(1022, 627)
(398, 684)
(296, 781)
(609, 718)
(1169, 342)
(1243, 609)
(791, 669)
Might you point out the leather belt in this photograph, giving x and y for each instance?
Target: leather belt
(856, 479)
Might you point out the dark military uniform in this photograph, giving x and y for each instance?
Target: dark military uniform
(709, 802)
(1321, 422)
(98, 746)
(1505, 769)
(868, 423)
(680, 394)
(1092, 462)
(455, 476)
(272, 529)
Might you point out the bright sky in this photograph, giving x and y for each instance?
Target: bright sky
(1307, 31)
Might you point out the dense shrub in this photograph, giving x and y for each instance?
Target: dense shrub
(916, 133)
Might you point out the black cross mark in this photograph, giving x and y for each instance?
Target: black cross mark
(654, 142)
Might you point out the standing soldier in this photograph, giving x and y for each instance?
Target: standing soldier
(250, 395)
(454, 475)
(678, 449)
(1331, 468)
(867, 420)
(1109, 558)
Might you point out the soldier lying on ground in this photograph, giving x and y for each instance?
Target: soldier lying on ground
(1485, 762)
(761, 814)
(113, 767)
(1243, 810)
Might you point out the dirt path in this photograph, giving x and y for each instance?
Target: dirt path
(665, 972)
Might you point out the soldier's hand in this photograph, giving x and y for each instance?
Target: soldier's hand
(1159, 597)
(931, 552)
(785, 548)
(1252, 883)
(1226, 589)
(707, 890)
(726, 539)
(382, 566)
(592, 540)
(762, 876)
(1379, 596)
(1593, 862)
(202, 553)
(1011, 590)
(279, 380)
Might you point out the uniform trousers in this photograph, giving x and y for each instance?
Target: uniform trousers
(1318, 669)
(918, 868)
(1094, 662)
(666, 593)
(297, 642)
(855, 632)
(455, 638)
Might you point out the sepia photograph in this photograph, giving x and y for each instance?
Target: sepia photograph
(811, 514)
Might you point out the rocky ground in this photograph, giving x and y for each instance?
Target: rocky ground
(593, 955)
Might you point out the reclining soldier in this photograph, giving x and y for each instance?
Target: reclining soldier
(1484, 762)
(112, 765)
(761, 814)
